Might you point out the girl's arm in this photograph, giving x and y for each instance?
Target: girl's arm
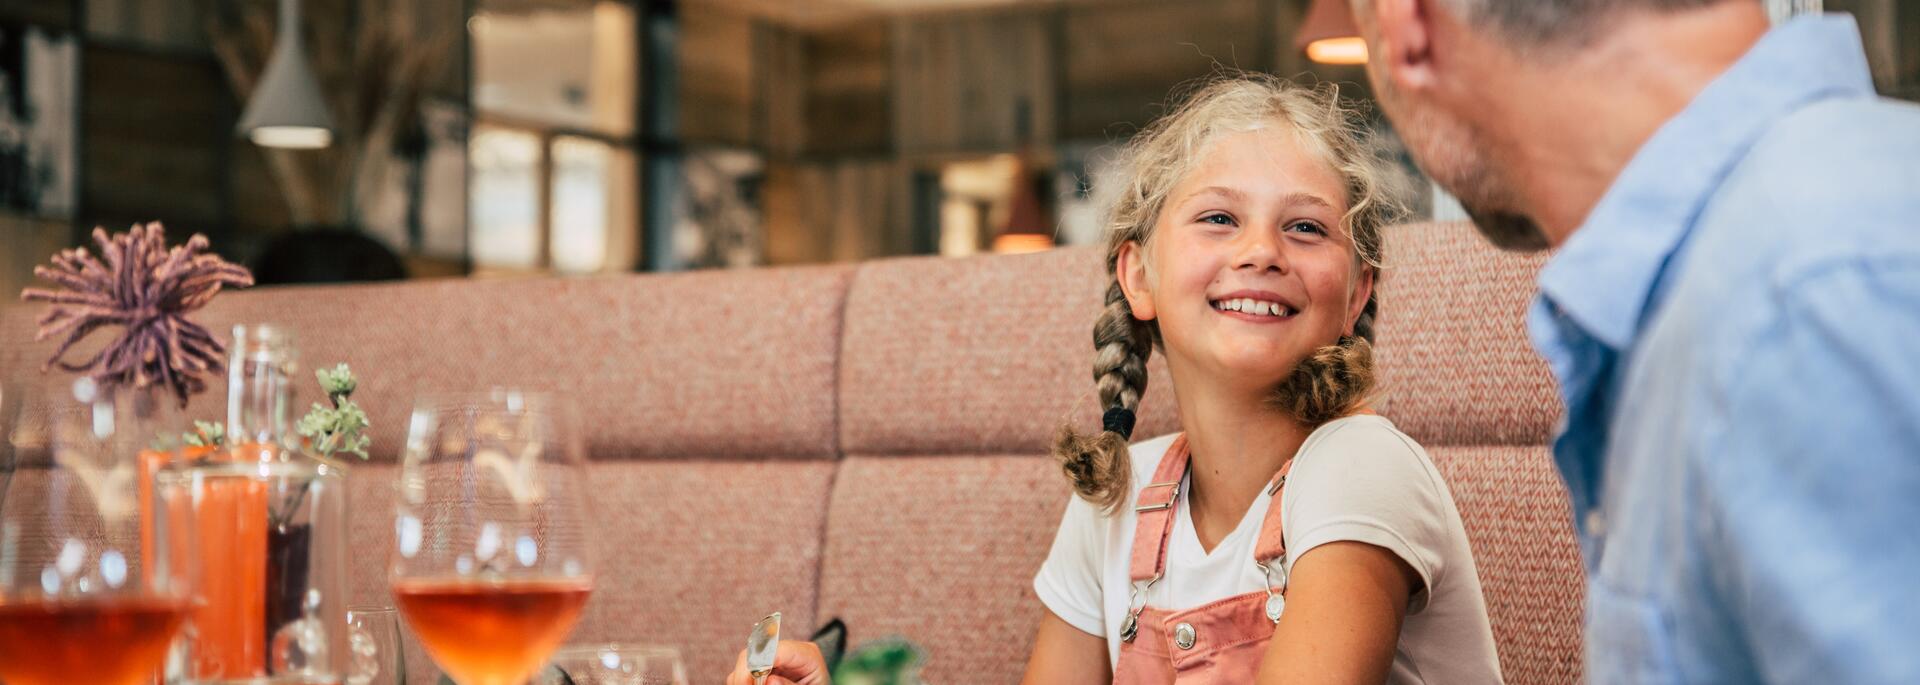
(1345, 601)
(1067, 655)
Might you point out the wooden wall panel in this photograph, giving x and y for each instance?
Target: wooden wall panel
(849, 82)
(960, 81)
(790, 240)
(53, 14)
(1122, 60)
(824, 93)
(157, 132)
(716, 54)
(834, 211)
(259, 206)
(441, 23)
(172, 24)
(1284, 18)
(780, 70)
(29, 242)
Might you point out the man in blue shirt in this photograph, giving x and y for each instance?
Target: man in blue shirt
(1733, 312)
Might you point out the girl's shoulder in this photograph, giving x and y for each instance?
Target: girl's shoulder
(1367, 446)
(1372, 432)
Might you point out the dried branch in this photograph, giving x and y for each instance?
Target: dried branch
(146, 289)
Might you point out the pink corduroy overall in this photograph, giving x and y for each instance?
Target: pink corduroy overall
(1221, 642)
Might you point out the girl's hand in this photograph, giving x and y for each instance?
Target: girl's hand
(794, 663)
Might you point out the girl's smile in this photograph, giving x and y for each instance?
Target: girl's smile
(1256, 306)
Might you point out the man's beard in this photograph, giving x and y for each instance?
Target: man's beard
(1456, 159)
(1508, 230)
(1488, 199)
(1484, 193)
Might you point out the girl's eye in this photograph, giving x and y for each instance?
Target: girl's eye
(1307, 227)
(1217, 218)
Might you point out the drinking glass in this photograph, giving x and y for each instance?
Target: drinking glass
(82, 598)
(378, 657)
(491, 566)
(616, 664)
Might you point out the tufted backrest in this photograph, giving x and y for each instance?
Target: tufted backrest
(870, 441)
(1459, 375)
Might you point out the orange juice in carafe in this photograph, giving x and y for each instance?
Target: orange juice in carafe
(232, 624)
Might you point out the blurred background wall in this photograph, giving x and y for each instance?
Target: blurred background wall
(508, 137)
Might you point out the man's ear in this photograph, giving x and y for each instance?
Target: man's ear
(1131, 270)
(1404, 38)
(1357, 302)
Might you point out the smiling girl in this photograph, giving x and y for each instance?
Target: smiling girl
(1289, 533)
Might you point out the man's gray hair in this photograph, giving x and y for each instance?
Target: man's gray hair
(1556, 22)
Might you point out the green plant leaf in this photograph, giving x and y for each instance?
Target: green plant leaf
(206, 434)
(340, 427)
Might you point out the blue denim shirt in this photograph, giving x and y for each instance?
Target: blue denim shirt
(1736, 332)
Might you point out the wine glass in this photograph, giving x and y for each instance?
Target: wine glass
(373, 633)
(83, 599)
(616, 664)
(491, 566)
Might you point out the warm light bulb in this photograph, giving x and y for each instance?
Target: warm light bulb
(1345, 50)
(293, 137)
(1017, 243)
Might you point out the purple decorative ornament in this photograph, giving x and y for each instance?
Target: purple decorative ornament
(147, 289)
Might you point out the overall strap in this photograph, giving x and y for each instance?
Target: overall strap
(1273, 544)
(1154, 513)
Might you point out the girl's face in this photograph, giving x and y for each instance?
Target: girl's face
(1247, 270)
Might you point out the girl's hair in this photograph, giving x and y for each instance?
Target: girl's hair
(1332, 381)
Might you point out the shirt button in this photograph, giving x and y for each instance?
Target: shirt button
(1596, 524)
(1183, 636)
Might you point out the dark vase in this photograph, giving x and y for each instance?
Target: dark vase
(287, 563)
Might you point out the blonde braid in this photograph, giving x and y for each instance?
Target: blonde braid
(1099, 464)
(1335, 380)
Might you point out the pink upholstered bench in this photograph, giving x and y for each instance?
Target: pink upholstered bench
(868, 441)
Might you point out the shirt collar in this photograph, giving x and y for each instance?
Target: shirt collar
(1603, 277)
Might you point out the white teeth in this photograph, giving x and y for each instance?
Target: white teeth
(1252, 306)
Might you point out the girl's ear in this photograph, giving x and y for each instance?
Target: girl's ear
(1130, 268)
(1357, 301)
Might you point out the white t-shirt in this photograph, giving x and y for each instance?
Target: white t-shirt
(1356, 478)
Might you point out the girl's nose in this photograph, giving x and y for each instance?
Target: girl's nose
(1261, 251)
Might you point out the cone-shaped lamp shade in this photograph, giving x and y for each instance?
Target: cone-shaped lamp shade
(1328, 35)
(1026, 228)
(286, 109)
